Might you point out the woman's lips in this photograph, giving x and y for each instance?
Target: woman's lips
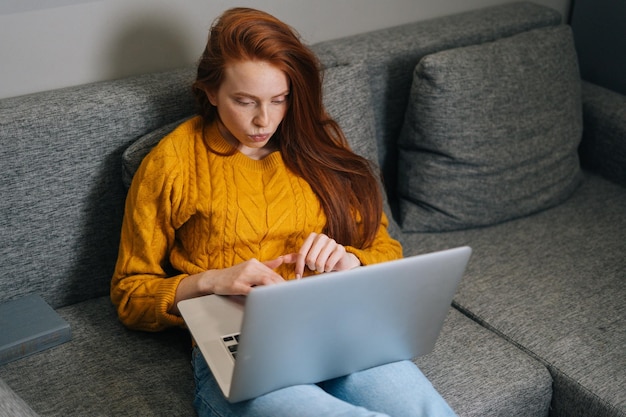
(259, 138)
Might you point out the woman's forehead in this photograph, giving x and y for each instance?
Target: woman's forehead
(258, 79)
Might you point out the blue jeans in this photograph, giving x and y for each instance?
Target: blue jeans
(397, 389)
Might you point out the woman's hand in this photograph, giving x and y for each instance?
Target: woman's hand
(322, 254)
(241, 278)
(236, 280)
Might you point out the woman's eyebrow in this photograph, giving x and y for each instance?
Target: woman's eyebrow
(253, 97)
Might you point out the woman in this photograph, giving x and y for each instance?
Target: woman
(260, 187)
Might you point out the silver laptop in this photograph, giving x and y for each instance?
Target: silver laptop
(318, 328)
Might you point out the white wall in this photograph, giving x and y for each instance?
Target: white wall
(47, 44)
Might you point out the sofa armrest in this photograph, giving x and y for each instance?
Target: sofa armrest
(603, 147)
(11, 404)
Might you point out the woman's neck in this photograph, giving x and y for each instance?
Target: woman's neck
(252, 153)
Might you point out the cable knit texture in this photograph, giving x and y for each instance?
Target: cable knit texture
(189, 210)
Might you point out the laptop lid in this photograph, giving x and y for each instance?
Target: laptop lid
(331, 325)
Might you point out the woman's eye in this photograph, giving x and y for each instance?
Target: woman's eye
(244, 102)
(280, 100)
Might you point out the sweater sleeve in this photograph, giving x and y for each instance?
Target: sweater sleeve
(383, 248)
(141, 288)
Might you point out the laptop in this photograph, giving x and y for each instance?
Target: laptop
(322, 327)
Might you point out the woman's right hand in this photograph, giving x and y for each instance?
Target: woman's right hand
(235, 280)
(241, 278)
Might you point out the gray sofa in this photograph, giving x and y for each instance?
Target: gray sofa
(538, 324)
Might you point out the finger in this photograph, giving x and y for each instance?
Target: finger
(319, 252)
(274, 263)
(325, 261)
(240, 288)
(261, 277)
(264, 274)
(336, 256)
(270, 279)
(302, 253)
(259, 273)
(290, 258)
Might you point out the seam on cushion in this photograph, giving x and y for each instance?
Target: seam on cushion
(552, 369)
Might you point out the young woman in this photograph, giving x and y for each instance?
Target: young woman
(260, 187)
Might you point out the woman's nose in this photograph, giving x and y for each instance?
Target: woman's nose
(261, 118)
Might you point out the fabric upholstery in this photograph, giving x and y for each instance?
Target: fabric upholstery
(553, 284)
(94, 374)
(62, 194)
(134, 154)
(11, 404)
(491, 132)
(106, 369)
(467, 354)
(347, 98)
(603, 148)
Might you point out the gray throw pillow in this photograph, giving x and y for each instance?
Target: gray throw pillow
(134, 154)
(491, 132)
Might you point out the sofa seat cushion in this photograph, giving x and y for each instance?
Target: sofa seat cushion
(482, 375)
(554, 284)
(491, 132)
(106, 370)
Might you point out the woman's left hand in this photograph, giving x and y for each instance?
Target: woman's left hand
(322, 254)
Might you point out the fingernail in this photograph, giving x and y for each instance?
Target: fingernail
(298, 276)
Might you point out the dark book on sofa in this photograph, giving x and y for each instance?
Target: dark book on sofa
(29, 325)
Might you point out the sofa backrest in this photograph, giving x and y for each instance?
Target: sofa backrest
(60, 180)
(61, 186)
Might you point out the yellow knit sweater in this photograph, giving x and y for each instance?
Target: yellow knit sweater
(189, 210)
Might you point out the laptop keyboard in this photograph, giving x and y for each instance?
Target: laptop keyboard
(231, 342)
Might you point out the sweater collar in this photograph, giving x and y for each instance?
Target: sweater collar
(217, 142)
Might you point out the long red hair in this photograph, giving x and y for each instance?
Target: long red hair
(311, 143)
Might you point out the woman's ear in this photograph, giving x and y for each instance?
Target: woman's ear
(212, 96)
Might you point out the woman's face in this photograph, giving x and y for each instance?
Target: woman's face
(251, 103)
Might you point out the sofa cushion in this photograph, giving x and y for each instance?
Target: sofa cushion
(390, 55)
(106, 369)
(134, 154)
(553, 285)
(491, 132)
(482, 375)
